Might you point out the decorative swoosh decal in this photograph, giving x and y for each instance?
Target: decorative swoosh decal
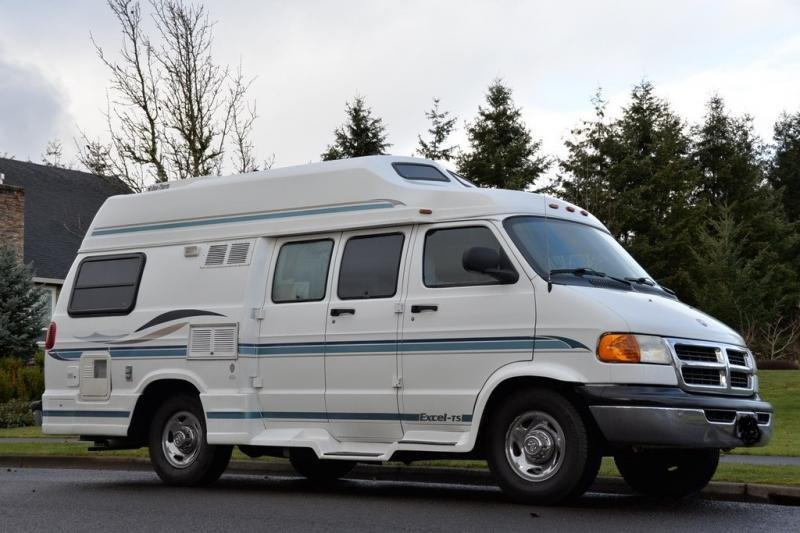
(154, 335)
(174, 315)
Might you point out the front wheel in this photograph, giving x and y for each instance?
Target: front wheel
(178, 448)
(671, 473)
(539, 448)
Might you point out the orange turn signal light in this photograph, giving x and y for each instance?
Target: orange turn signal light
(618, 348)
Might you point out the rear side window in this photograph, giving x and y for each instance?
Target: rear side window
(444, 253)
(370, 266)
(301, 274)
(106, 285)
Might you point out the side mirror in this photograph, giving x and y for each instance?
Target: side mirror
(488, 261)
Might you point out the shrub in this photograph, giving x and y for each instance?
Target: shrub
(20, 381)
(15, 414)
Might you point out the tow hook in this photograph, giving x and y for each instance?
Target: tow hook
(747, 429)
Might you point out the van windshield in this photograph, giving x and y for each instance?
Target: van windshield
(555, 246)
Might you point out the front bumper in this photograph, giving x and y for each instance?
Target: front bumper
(669, 416)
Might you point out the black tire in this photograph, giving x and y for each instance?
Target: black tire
(311, 467)
(204, 463)
(670, 473)
(569, 477)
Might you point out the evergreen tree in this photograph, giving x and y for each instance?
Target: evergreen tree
(503, 154)
(784, 172)
(21, 307)
(733, 184)
(441, 127)
(361, 135)
(636, 174)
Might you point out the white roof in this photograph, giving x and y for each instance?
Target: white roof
(328, 196)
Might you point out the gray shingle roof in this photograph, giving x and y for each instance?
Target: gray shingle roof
(59, 206)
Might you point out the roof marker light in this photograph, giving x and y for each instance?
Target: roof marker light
(554, 206)
(425, 212)
(570, 209)
(584, 213)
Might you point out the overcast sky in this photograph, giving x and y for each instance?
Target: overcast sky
(309, 58)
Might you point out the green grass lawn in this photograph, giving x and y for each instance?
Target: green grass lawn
(782, 389)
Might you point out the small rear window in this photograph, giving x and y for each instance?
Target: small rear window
(106, 285)
(419, 171)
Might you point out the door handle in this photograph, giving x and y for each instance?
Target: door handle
(337, 312)
(421, 308)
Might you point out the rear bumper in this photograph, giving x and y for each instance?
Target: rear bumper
(668, 416)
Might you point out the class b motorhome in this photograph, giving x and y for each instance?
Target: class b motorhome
(383, 308)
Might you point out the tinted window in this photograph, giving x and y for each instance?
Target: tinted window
(444, 253)
(417, 171)
(106, 285)
(301, 273)
(370, 266)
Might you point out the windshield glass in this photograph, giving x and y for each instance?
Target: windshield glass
(553, 244)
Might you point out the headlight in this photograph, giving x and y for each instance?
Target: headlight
(630, 348)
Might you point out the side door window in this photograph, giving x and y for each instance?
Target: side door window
(447, 255)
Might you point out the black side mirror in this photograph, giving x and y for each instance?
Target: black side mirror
(488, 261)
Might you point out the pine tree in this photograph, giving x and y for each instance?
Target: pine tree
(636, 174)
(441, 127)
(361, 135)
(784, 174)
(503, 154)
(21, 307)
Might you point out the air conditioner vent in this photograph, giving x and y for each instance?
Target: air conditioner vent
(238, 253)
(213, 342)
(216, 255)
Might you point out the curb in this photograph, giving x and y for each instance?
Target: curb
(716, 490)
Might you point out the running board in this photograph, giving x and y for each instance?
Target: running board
(352, 454)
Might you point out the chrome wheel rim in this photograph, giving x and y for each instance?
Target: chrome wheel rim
(535, 446)
(182, 439)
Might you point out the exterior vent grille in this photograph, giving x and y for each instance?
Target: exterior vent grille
(737, 357)
(720, 415)
(213, 342)
(238, 253)
(701, 376)
(706, 354)
(216, 255)
(740, 380)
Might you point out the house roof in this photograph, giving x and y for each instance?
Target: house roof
(59, 207)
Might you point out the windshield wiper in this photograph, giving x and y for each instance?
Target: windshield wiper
(642, 281)
(588, 272)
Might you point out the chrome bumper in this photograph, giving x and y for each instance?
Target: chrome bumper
(668, 416)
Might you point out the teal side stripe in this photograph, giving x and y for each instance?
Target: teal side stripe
(267, 215)
(85, 414)
(124, 352)
(319, 415)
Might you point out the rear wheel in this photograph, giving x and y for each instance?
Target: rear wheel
(308, 465)
(539, 448)
(178, 448)
(672, 473)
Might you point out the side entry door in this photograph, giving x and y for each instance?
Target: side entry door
(469, 310)
(361, 376)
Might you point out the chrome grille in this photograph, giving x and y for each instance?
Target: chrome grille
(713, 367)
(708, 354)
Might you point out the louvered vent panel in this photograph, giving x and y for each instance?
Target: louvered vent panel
(238, 254)
(200, 342)
(216, 255)
(87, 369)
(213, 342)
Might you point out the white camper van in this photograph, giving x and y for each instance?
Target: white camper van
(383, 308)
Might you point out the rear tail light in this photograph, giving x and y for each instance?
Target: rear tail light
(50, 341)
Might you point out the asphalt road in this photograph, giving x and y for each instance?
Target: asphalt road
(94, 500)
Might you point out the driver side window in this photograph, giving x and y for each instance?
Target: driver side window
(443, 257)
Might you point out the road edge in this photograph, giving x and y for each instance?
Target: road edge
(716, 490)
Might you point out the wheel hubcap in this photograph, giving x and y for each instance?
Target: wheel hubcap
(182, 439)
(535, 446)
